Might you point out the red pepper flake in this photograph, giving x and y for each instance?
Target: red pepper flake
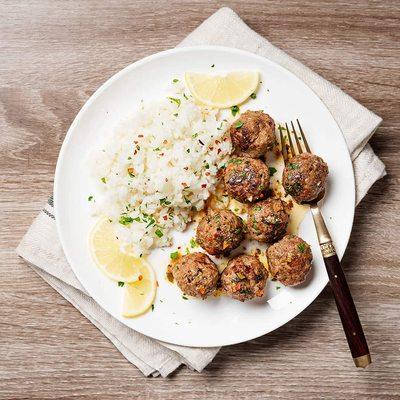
(135, 141)
(184, 184)
(162, 154)
(207, 174)
(140, 277)
(166, 179)
(217, 142)
(185, 168)
(211, 148)
(225, 139)
(219, 151)
(165, 217)
(157, 284)
(140, 136)
(179, 247)
(165, 141)
(135, 152)
(204, 185)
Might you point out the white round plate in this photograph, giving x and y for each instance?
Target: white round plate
(216, 321)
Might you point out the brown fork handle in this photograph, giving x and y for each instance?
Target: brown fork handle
(348, 313)
(344, 302)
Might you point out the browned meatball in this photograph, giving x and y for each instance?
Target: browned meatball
(289, 260)
(253, 134)
(219, 232)
(246, 179)
(244, 278)
(268, 220)
(305, 176)
(195, 274)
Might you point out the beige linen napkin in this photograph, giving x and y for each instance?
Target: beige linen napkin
(41, 248)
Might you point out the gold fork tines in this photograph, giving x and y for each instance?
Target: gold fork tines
(292, 151)
(303, 137)
(283, 145)
(299, 148)
(288, 143)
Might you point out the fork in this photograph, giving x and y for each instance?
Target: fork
(344, 302)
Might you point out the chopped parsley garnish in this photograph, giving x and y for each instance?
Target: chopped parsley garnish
(184, 95)
(207, 166)
(257, 208)
(174, 255)
(302, 247)
(293, 166)
(159, 233)
(253, 96)
(125, 220)
(278, 287)
(193, 243)
(212, 66)
(195, 135)
(129, 158)
(103, 179)
(187, 150)
(120, 284)
(235, 161)
(165, 202)
(272, 170)
(175, 80)
(151, 221)
(156, 149)
(238, 124)
(234, 110)
(174, 100)
(184, 297)
(294, 189)
(152, 307)
(175, 115)
(90, 198)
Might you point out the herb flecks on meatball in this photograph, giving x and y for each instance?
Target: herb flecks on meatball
(244, 278)
(195, 274)
(304, 177)
(289, 260)
(268, 220)
(246, 179)
(219, 232)
(253, 134)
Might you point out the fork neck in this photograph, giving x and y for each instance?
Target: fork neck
(324, 237)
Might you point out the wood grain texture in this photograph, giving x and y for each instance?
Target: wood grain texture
(53, 55)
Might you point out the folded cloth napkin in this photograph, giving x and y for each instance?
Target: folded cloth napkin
(42, 250)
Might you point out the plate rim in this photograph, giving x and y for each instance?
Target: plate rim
(63, 150)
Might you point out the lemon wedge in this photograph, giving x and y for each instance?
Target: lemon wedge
(222, 91)
(139, 296)
(107, 253)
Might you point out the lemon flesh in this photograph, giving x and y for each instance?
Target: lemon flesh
(222, 91)
(139, 296)
(109, 257)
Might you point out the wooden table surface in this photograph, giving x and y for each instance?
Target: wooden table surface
(53, 55)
